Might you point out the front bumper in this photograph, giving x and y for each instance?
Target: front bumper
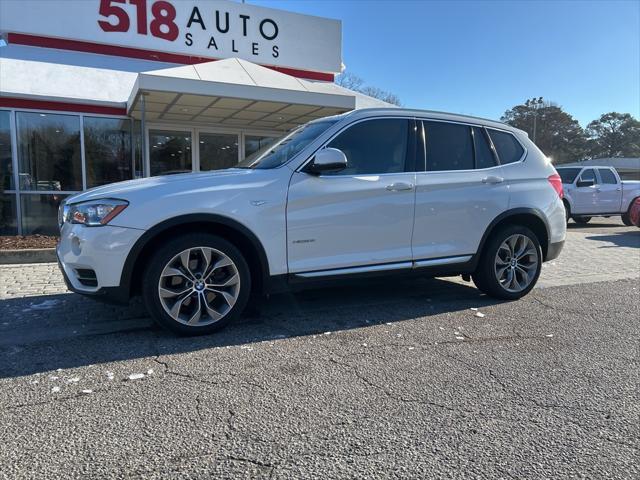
(97, 252)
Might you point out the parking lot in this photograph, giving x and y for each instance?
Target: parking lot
(406, 379)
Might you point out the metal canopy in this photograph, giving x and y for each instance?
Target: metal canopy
(235, 92)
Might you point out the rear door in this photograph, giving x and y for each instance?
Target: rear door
(609, 192)
(585, 198)
(361, 216)
(460, 189)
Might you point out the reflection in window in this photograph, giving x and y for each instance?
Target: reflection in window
(40, 213)
(169, 151)
(253, 143)
(8, 214)
(6, 169)
(49, 151)
(218, 151)
(107, 150)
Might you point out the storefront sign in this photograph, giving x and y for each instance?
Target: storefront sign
(199, 28)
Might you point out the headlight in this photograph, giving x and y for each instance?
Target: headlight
(94, 213)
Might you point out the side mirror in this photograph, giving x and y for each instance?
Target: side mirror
(585, 183)
(327, 160)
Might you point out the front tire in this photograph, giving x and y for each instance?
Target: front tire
(196, 284)
(626, 219)
(581, 220)
(510, 264)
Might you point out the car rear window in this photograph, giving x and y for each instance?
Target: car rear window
(449, 146)
(484, 155)
(568, 175)
(508, 148)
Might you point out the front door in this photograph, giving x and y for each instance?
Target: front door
(460, 191)
(585, 198)
(361, 216)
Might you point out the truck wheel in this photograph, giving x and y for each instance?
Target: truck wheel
(626, 219)
(567, 211)
(510, 263)
(581, 220)
(196, 284)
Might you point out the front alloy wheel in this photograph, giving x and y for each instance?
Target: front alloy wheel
(196, 284)
(199, 286)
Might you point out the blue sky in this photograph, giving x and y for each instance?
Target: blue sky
(482, 57)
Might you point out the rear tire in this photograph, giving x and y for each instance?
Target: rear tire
(567, 211)
(511, 252)
(626, 219)
(581, 220)
(196, 284)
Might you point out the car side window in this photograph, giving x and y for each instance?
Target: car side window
(373, 147)
(588, 174)
(508, 148)
(484, 155)
(449, 146)
(607, 176)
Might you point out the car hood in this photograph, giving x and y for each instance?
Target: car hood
(222, 179)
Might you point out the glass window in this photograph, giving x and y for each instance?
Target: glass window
(448, 146)
(40, 213)
(588, 174)
(253, 143)
(484, 155)
(568, 175)
(218, 151)
(138, 170)
(285, 148)
(373, 147)
(6, 168)
(8, 214)
(508, 148)
(107, 150)
(607, 176)
(170, 152)
(49, 151)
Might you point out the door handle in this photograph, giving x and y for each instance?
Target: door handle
(399, 186)
(492, 179)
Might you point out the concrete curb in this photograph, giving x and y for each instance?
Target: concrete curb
(29, 255)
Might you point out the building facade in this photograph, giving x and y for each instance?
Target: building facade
(101, 91)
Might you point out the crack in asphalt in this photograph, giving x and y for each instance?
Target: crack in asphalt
(528, 401)
(391, 395)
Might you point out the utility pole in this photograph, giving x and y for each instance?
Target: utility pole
(535, 104)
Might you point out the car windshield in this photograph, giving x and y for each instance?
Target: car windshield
(283, 149)
(568, 175)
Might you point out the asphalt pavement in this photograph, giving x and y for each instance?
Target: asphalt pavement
(410, 379)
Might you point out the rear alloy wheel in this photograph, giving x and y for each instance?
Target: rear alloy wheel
(510, 264)
(196, 284)
(581, 220)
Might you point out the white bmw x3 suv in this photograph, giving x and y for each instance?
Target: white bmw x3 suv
(379, 191)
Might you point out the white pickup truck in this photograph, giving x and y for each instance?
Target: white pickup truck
(597, 192)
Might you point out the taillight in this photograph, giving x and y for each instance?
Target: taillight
(556, 183)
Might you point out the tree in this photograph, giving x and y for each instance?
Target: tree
(558, 134)
(614, 135)
(354, 82)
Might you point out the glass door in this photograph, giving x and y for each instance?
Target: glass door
(170, 151)
(217, 150)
